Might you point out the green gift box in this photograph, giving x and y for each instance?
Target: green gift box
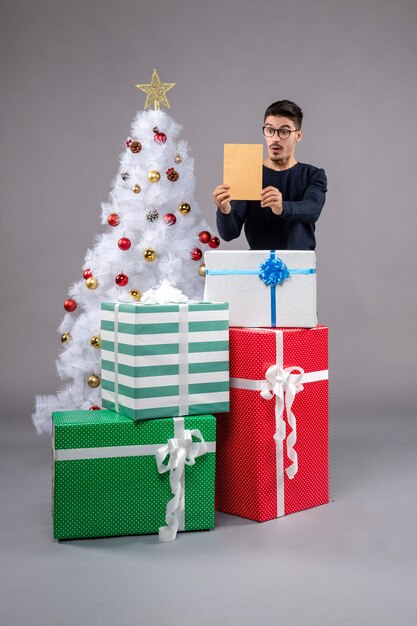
(114, 476)
(162, 360)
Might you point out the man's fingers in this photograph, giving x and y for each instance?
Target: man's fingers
(268, 189)
(223, 196)
(220, 188)
(270, 198)
(221, 192)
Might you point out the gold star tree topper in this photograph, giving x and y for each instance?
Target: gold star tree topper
(156, 92)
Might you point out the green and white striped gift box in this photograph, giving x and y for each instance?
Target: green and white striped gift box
(165, 360)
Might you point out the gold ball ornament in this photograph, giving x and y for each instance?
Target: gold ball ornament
(65, 337)
(93, 381)
(184, 208)
(202, 270)
(136, 294)
(153, 176)
(149, 255)
(137, 189)
(178, 158)
(96, 341)
(92, 283)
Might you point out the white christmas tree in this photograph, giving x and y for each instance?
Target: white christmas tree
(154, 232)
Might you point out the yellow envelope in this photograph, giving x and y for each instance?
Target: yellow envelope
(243, 170)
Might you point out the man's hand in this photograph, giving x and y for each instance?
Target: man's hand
(272, 197)
(222, 198)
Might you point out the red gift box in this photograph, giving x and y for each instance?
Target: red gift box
(272, 447)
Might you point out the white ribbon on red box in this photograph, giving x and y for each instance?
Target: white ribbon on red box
(284, 384)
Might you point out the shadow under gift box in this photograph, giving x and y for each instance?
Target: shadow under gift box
(165, 360)
(106, 480)
(261, 472)
(264, 288)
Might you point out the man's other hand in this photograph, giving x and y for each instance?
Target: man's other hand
(222, 198)
(272, 197)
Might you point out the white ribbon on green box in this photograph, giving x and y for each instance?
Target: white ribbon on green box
(181, 450)
(283, 384)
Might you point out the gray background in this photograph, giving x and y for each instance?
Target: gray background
(68, 71)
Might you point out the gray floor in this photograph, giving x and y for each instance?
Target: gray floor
(350, 563)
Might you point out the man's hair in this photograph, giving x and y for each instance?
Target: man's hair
(286, 108)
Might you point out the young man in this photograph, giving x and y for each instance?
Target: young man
(293, 193)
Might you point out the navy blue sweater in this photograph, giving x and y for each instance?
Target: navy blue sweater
(303, 189)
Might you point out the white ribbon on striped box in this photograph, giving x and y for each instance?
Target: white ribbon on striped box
(283, 384)
(182, 357)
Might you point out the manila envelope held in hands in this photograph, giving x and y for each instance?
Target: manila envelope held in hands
(243, 170)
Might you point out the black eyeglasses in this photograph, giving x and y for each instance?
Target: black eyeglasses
(283, 133)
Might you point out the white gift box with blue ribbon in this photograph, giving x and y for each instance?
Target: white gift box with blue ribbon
(264, 288)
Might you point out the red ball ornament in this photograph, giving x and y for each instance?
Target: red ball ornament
(204, 236)
(214, 242)
(113, 219)
(160, 137)
(94, 408)
(124, 243)
(121, 280)
(196, 254)
(70, 305)
(169, 219)
(87, 273)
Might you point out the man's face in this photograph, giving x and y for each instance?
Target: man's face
(281, 149)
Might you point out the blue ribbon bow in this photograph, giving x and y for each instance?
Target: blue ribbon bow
(273, 271)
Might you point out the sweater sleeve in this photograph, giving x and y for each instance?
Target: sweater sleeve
(309, 208)
(229, 226)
